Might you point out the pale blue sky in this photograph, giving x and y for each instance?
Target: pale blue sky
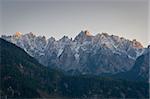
(127, 18)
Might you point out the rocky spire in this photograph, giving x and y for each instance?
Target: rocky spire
(87, 33)
(17, 34)
(137, 44)
(83, 35)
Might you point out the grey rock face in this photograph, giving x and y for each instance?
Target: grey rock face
(140, 69)
(86, 54)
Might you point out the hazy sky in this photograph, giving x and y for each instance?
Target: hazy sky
(127, 18)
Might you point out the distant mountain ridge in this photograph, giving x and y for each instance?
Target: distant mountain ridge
(86, 54)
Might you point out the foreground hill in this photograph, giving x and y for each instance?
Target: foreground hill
(23, 77)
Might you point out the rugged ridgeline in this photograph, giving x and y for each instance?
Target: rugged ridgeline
(23, 77)
(86, 54)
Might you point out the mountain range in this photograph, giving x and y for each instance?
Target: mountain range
(102, 54)
(22, 76)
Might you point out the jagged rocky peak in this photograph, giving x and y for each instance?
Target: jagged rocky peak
(51, 39)
(17, 34)
(83, 36)
(30, 34)
(84, 33)
(137, 44)
(64, 39)
(41, 37)
(87, 33)
(105, 34)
